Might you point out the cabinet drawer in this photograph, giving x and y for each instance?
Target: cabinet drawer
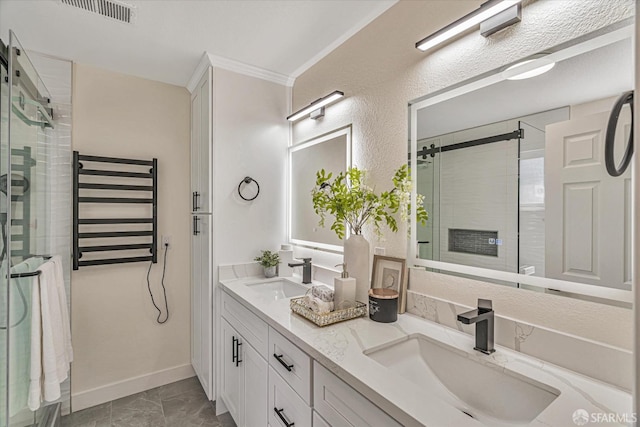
(293, 364)
(286, 402)
(340, 405)
(251, 327)
(318, 421)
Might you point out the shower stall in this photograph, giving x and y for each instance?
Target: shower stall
(34, 160)
(484, 191)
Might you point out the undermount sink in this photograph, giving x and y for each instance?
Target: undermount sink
(278, 289)
(489, 393)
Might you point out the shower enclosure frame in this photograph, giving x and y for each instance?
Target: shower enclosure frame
(30, 96)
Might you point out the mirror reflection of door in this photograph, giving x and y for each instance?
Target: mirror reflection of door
(588, 222)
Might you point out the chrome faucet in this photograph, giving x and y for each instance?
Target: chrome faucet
(306, 269)
(483, 318)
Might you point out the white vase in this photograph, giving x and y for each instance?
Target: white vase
(356, 256)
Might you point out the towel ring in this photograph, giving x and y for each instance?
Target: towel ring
(248, 180)
(612, 169)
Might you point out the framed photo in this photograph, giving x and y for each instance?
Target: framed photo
(390, 273)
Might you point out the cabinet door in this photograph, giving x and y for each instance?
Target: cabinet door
(202, 302)
(256, 372)
(232, 372)
(196, 140)
(201, 139)
(196, 290)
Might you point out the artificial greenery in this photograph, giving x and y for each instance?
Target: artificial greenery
(352, 203)
(268, 259)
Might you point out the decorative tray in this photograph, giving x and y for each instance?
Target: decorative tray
(358, 310)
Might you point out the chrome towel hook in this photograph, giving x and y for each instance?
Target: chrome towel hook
(609, 161)
(248, 180)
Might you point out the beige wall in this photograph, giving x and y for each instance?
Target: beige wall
(380, 71)
(115, 335)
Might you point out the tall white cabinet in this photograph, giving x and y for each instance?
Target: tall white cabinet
(202, 304)
(238, 129)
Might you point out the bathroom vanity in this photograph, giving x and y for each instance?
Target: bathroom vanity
(278, 369)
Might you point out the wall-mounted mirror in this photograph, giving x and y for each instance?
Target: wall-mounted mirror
(514, 177)
(331, 152)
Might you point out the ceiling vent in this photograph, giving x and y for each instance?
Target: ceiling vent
(112, 9)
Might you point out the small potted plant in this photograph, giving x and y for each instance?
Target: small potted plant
(269, 261)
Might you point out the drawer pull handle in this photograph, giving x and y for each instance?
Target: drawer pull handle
(282, 417)
(238, 344)
(282, 362)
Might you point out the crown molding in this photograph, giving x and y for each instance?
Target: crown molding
(204, 63)
(210, 60)
(250, 70)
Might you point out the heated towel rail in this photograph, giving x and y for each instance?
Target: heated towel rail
(127, 181)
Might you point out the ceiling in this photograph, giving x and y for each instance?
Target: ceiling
(169, 37)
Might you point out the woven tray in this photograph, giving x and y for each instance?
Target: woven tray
(336, 316)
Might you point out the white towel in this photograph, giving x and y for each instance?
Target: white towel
(317, 305)
(322, 292)
(51, 351)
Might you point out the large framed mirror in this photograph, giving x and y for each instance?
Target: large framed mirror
(331, 152)
(513, 172)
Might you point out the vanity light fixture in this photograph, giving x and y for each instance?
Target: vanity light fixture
(527, 69)
(316, 108)
(487, 10)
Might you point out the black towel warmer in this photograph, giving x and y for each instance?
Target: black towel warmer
(78, 200)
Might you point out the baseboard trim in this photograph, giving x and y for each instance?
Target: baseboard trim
(109, 392)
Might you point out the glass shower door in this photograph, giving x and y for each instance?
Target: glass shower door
(25, 121)
(4, 289)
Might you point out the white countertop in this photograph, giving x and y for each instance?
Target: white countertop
(340, 348)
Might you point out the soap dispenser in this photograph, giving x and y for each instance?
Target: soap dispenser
(344, 289)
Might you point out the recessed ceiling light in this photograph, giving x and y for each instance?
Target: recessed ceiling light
(528, 69)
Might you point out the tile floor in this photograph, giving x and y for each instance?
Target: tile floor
(180, 404)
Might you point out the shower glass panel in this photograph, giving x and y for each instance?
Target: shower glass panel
(532, 206)
(4, 290)
(26, 119)
(470, 180)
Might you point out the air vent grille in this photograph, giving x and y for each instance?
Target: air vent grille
(108, 8)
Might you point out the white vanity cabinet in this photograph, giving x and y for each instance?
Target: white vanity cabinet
(266, 380)
(244, 374)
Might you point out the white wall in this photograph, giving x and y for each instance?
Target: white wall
(380, 70)
(250, 138)
(119, 347)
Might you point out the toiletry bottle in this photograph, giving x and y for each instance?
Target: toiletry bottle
(344, 289)
(286, 256)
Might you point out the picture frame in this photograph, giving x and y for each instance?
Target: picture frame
(391, 273)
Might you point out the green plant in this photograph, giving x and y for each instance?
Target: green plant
(350, 201)
(268, 259)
